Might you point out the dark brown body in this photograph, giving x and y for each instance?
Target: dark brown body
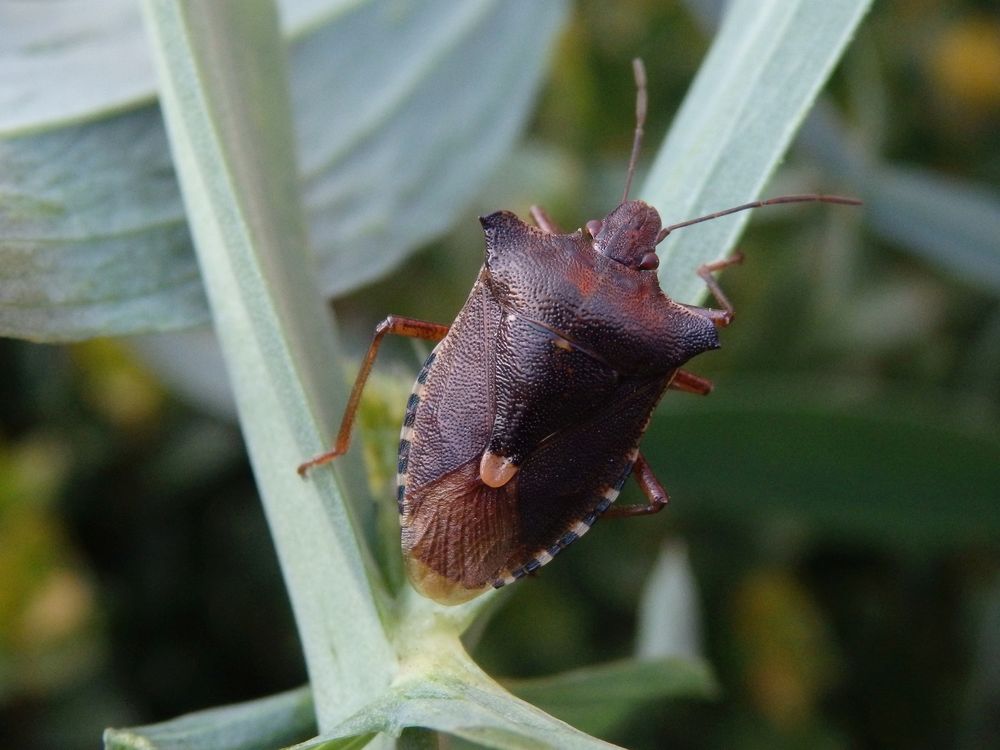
(525, 421)
(556, 361)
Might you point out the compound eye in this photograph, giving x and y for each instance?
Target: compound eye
(594, 227)
(649, 262)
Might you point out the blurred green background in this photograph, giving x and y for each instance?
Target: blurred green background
(839, 493)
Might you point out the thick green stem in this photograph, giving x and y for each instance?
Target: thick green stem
(225, 101)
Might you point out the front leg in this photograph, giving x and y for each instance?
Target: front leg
(724, 317)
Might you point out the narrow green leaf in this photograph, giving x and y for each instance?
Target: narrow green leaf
(412, 130)
(440, 688)
(596, 699)
(765, 68)
(222, 72)
(394, 130)
(904, 471)
(487, 716)
(64, 67)
(255, 725)
(92, 237)
(669, 621)
(953, 224)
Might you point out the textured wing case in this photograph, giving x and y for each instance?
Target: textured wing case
(553, 366)
(460, 536)
(450, 535)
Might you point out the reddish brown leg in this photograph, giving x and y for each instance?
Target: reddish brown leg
(543, 221)
(724, 317)
(651, 488)
(419, 329)
(690, 383)
(720, 318)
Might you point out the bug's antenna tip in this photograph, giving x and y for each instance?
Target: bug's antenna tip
(639, 71)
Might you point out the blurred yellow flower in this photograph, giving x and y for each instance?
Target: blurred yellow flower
(965, 63)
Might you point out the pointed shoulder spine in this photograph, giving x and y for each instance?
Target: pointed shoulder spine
(499, 221)
(505, 231)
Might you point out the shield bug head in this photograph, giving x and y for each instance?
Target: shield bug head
(525, 420)
(629, 235)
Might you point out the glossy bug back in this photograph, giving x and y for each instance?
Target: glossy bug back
(555, 363)
(526, 419)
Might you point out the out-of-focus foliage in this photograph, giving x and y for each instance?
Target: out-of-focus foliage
(99, 243)
(839, 494)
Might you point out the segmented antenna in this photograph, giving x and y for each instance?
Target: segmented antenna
(640, 120)
(811, 198)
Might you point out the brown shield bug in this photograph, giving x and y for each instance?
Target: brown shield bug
(525, 420)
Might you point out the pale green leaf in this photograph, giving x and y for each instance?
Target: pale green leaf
(669, 621)
(953, 224)
(439, 687)
(67, 60)
(394, 130)
(476, 712)
(765, 68)
(407, 130)
(255, 725)
(598, 698)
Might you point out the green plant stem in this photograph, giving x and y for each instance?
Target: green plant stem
(225, 101)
